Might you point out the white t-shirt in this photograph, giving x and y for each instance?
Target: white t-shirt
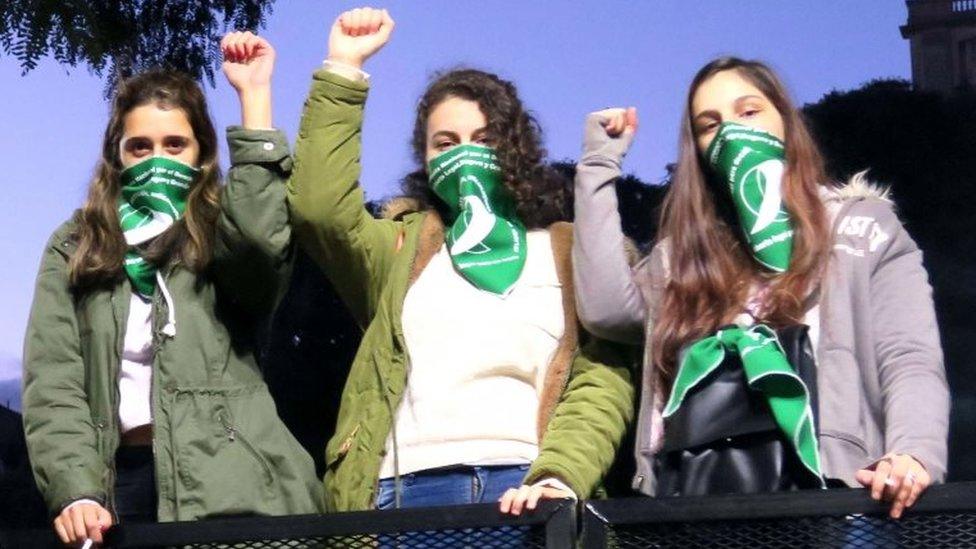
(477, 365)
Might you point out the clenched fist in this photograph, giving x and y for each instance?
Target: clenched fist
(357, 34)
(248, 60)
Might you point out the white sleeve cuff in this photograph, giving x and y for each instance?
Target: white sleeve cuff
(78, 502)
(553, 482)
(347, 71)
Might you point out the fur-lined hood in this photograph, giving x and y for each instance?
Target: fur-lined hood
(858, 186)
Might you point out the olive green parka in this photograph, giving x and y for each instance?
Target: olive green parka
(587, 398)
(218, 444)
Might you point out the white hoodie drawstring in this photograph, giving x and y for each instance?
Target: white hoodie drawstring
(170, 327)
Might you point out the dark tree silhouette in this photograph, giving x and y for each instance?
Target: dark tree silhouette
(117, 39)
(638, 202)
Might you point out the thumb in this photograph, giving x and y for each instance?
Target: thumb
(386, 25)
(864, 477)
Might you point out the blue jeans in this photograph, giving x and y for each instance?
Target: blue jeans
(460, 485)
(451, 486)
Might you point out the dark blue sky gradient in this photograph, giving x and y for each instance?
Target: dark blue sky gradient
(567, 58)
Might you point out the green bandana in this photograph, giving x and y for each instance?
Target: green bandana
(752, 162)
(153, 197)
(768, 371)
(486, 240)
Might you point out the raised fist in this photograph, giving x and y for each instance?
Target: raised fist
(248, 60)
(358, 34)
(609, 132)
(618, 120)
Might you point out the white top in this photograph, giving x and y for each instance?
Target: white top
(135, 378)
(477, 365)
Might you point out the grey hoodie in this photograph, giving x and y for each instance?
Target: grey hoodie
(880, 376)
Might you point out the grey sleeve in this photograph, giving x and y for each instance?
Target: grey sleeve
(910, 365)
(609, 302)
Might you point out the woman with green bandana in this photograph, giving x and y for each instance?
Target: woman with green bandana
(754, 241)
(142, 397)
(472, 381)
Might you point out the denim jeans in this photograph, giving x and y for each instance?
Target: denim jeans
(451, 486)
(461, 485)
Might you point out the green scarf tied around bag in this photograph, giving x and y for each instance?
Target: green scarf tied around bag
(768, 371)
(153, 198)
(486, 239)
(752, 163)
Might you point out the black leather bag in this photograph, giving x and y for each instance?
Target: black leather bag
(723, 439)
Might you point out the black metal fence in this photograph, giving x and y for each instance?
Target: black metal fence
(552, 526)
(944, 517)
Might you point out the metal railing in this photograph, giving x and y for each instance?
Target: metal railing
(552, 526)
(963, 5)
(844, 518)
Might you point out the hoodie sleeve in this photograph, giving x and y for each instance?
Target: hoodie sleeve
(911, 372)
(610, 302)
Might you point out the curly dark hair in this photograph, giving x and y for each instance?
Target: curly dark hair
(540, 192)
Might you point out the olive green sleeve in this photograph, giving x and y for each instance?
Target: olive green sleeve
(61, 435)
(590, 420)
(327, 204)
(253, 251)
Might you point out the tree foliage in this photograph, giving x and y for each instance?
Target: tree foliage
(117, 39)
(920, 144)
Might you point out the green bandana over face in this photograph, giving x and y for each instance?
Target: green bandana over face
(486, 240)
(768, 371)
(153, 197)
(752, 162)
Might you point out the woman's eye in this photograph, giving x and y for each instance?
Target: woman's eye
(749, 113)
(708, 128)
(139, 148)
(174, 146)
(443, 145)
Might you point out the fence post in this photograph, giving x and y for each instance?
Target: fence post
(561, 526)
(594, 528)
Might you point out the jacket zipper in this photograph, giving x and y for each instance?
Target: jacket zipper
(153, 395)
(113, 421)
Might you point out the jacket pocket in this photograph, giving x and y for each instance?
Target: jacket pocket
(233, 455)
(235, 435)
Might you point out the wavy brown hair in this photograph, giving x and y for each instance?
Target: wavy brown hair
(710, 266)
(541, 194)
(101, 246)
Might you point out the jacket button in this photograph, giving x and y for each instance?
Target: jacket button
(268, 146)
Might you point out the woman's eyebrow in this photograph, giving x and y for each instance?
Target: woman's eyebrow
(444, 133)
(745, 98)
(711, 113)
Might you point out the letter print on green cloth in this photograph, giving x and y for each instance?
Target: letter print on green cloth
(768, 371)
(752, 163)
(486, 240)
(153, 198)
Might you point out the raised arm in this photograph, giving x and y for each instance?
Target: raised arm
(329, 217)
(610, 303)
(252, 251)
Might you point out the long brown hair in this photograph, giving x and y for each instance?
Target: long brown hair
(540, 193)
(710, 267)
(101, 246)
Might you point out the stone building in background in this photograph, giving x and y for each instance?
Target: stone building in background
(943, 44)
